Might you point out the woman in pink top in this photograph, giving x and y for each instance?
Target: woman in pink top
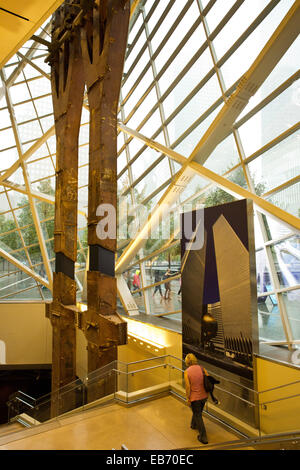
(196, 394)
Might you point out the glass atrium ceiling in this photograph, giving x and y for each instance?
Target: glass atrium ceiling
(184, 60)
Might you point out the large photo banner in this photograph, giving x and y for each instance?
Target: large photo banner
(219, 295)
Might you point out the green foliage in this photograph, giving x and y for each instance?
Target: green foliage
(11, 241)
(25, 219)
(219, 196)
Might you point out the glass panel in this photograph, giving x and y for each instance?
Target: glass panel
(146, 159)
(195, 185)
(259, 241)
(285, 68)
(291, 301)
(152, 125)
(150, 382)
(238, 23)
(8, 157)
(286, 257)
(275, 118)
(41, 169)
(83, 176)
(47, 123)
(30, 72)
(181, 59)
(160, 302)
(224, 157)
(39, 87)
(187, 145)
(28, 294)
(25, 112)
(122, 161)
(148, 362)
(12, 240)
(142, 67)
(264, 281)
(19, 93)
(216, 13)
(271, 418)
(153, 179)
(271, 170)
(190, 80)
(135, 51)
(83, 155)
(288, 199)
(183, 26)
(134, 146)
(123, 182)
(30, 131)
(269, 321)
(156, 15)
(20, 282)
(238, 177)
(157, 267)
(44, 105)
(177, 382)
(139, 115)
(102, 384)
(4, 118)
(245, 55)
(6, 139)
(135, 28)
(203, 99)
(275, 229)
(167, 23)
(143, 109)
(120, 140)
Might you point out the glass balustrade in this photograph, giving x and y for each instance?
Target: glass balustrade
(239, 406)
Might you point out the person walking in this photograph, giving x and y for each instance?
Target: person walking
(167, 284)
(137, 281)
(157, 288)
(179, 291)
(196, 394)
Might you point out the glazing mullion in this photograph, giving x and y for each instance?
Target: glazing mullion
(158, 93)
(272, 270)
(134, 203)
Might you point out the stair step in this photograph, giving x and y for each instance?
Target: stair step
(10, 428)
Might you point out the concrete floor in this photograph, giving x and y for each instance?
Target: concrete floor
(159, 424)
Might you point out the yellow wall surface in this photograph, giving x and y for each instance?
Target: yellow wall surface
(283, 415)
(171, 341)
(26, 332)
(27, 336)
(138, 355)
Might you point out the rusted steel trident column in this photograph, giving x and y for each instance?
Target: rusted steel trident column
(67, 91)
(98, 64)
(104, 40)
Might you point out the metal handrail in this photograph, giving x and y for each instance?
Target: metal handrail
(251, 441)
(67, 388)
(151, 359)
(279, 386)
(279, 399)
(19, 392)
(22, 401)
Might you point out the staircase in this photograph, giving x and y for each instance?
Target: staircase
(10, 428)
(137, 383)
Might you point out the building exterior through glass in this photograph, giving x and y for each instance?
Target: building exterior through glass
(184, 60)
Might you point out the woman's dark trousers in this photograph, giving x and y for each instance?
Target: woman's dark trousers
(197, 421)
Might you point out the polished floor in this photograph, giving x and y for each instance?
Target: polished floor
(159, 424)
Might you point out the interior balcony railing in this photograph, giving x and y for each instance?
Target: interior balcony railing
(241, 409)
